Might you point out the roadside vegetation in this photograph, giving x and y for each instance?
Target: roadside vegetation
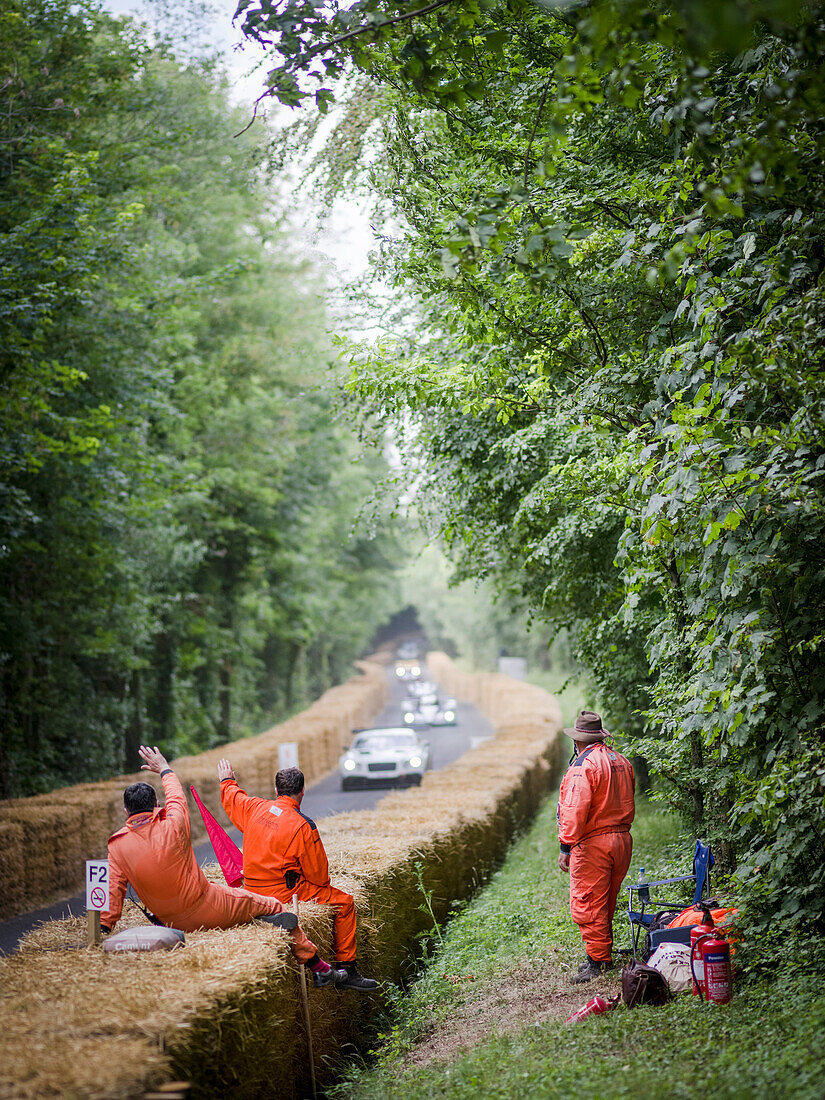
(181, 558)
(602, 225)
(485, 1017)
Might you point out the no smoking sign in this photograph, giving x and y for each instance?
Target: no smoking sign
(97, 884)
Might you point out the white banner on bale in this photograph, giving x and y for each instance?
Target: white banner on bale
(288, 755)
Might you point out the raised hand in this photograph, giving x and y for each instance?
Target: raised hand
(154, 759)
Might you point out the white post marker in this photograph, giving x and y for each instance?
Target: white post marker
(288, 755)
(97, 897)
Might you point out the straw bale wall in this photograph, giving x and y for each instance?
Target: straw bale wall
(45, 840)
(224, 1013)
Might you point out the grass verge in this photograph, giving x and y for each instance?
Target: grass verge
(486, 1017)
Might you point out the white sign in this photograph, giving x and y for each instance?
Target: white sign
(513, 666)
(97, 884)
(288, 755)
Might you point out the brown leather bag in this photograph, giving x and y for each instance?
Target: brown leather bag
(642, 985)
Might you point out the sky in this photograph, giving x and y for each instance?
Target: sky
(344, 239)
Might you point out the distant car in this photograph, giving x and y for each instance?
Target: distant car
(429, 710)
(422, 687)
(387, 755)
(408, 670)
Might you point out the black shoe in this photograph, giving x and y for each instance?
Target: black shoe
(320, 978)
(592, 970)
(354, 980)
(589, 963)
(286, 920)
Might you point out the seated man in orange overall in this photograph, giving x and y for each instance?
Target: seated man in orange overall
(596, 809)
(283, 855)
(153, 852)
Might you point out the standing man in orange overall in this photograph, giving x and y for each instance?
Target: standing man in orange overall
(284, 855)
(153, 852)
(596, 809)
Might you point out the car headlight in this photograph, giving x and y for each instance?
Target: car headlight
(415, 670)
(349, 764)
(415, 761)
(449, 715)
(409, 716)
(399, 672)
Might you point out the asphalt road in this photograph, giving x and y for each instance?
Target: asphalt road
(323, 798)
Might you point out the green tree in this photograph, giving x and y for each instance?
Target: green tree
(169, 459)
(611, 218)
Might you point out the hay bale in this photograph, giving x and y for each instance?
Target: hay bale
(229, 1020)
(51, 836)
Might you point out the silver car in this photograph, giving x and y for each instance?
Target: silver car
(408, 670)
(393, 755)
(429, 710)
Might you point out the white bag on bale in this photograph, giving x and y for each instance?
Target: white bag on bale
(145, 938)
(672, 960)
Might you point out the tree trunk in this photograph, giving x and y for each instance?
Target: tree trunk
(133, 737)
(163, 705)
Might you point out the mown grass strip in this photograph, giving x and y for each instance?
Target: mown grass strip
(487, 1016)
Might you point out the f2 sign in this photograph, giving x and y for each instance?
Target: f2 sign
(97, 884)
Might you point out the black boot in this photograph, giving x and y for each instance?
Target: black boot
(590, 969)
(286, 920)
(355, 980)
(321, 978)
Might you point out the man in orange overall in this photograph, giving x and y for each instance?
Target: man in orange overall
(596, 809)
(283, 855)
(153, 852)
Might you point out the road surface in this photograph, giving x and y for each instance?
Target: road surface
(323, 798)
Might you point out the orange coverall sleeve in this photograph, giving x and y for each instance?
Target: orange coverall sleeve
(117, 892)
(237, 803)
(574, 807)
(175, 804)
(312, 856)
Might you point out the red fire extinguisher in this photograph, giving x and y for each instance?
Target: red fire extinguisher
(714, 951)
(596, 1007)
(704, 928)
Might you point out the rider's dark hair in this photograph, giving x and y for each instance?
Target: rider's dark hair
(139, 798)
(289, 781)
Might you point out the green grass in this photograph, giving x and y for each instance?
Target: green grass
(767, 1042)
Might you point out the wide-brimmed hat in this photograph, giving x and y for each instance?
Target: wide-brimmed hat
(588, 728)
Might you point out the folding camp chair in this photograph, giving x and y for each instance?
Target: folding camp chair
(648, 903)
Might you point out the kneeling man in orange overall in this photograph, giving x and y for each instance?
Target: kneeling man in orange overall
(153, 852)
(596, 809)
(283, 855)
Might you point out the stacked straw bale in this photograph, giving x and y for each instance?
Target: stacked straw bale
(224, 1013)
(45, 840)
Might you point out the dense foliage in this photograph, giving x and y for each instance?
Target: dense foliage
(178, 494)
(611, 215)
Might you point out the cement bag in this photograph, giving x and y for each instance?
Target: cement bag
(672, 960)
(145, 938)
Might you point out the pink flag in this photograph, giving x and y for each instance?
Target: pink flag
(229, 854)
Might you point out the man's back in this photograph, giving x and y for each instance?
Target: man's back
(597, 794)
(153, 852)
(281, 845)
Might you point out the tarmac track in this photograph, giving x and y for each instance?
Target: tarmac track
(323, 798)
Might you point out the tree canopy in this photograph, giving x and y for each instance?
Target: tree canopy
(181, 555)
(610, 216)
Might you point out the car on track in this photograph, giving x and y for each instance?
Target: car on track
(394, 754)
(429, 710)
(408, 670)
(409, 650)
(422, 687)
